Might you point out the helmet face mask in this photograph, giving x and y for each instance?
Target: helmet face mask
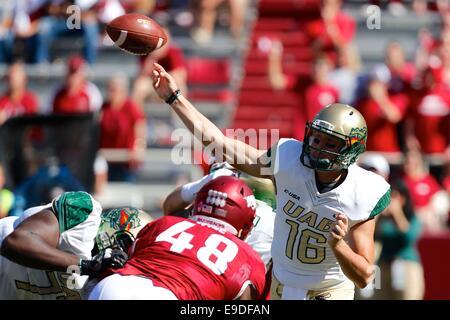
(344, 133)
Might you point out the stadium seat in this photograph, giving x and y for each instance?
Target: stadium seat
(275, 24)
(224, 96)
(261, 113)
(205, 71)
(269, 98)
(288, 7)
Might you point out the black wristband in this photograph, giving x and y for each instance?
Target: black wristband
(174, 96)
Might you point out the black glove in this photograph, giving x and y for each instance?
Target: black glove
(118, 258)
(108, 258)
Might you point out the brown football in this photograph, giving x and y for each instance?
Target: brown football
(136, 33)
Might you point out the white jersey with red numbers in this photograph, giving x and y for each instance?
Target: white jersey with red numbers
(194, 261)
(79, 218)
(301, 255)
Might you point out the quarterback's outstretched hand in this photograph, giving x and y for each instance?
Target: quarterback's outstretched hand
(339, 230)
(163, 82)
(108, 258)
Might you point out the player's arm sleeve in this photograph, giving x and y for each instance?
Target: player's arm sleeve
(284, 150)
(382, 204)
(79, 218)
(269, 160)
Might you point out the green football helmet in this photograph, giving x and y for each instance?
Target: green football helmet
(120, 226)
(340, 121)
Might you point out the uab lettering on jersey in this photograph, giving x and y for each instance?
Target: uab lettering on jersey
(310, 248)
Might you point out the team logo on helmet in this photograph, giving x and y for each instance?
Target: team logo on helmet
(251, 201)
(358, 135)
(122, 219)
(217, 198)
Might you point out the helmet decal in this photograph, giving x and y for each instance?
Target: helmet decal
(216, 198)
(120, 226)
(122, 219)
(251, 201)
(358, 135)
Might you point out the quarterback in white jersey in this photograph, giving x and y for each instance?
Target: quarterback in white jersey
(301, 254)
(323, 241)
(38, 247)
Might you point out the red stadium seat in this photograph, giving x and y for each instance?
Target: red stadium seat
(262, 113)
(288, 7)
(205, 95)
(204, 71)
(296, 38)
(275, 24)
(269, 98)
(284, 128)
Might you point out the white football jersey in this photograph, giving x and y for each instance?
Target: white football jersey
(300, 251)
(77, 237)
(260, 238)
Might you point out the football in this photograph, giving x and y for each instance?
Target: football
(136, 33)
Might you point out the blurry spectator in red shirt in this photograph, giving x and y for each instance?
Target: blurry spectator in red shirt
(428, 126)
(318, 95)
(321, 92)
(17, 100)
(171, 57)
(431, 202)
(77, 94)
(431, 120)
(123, 126)
(383, 111)
(402, 71)
(334, 30)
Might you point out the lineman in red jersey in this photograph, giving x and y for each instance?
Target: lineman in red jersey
(194, 259)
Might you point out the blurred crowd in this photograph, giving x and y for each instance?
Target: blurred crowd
(29, 30)
(406, 104)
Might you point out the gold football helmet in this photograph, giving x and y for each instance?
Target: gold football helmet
(339, 121)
